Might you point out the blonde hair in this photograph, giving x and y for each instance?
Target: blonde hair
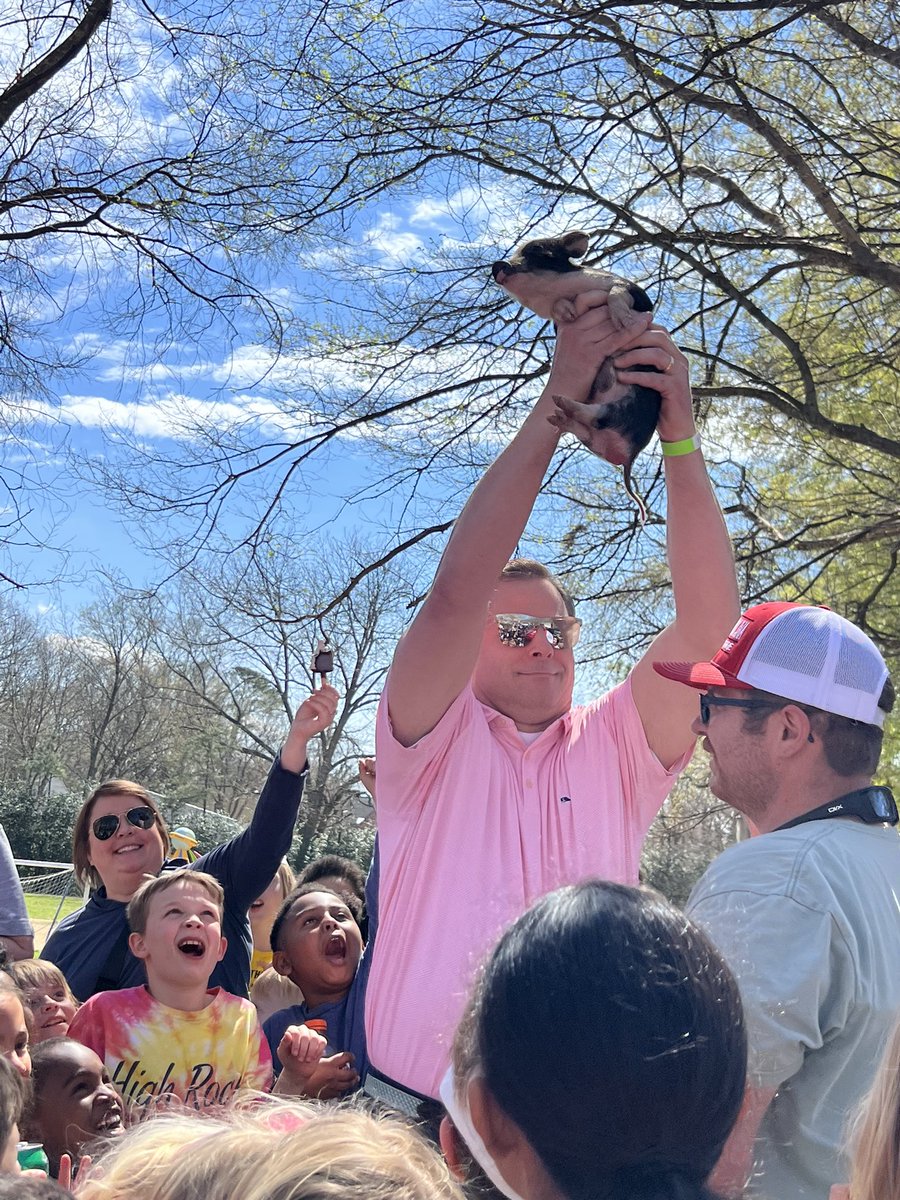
(139, 904)
(875, 1137)
(276, 1150)
(38, 973)
(285, 877)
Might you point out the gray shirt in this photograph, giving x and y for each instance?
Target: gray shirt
(809, 921)
(13, 913)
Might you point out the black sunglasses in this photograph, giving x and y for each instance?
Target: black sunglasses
(707, 703)
(141, 817)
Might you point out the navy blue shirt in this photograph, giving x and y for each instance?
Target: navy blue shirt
(346, 1020)
(90, 947)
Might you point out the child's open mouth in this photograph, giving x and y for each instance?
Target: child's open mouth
(192, 948)
(336, 948)
(110, 1123)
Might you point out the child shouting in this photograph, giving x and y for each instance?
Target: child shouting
(176, 1039)
(317, 944)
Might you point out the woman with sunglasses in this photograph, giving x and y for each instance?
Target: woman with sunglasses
(120, 837)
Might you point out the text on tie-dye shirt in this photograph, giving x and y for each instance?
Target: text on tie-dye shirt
(161, 1056)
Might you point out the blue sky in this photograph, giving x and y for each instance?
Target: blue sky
(167, 397)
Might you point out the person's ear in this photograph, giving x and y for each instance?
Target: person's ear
(223, 946)
(796, 728)
(281, 963)
(136, 945)
(449, 1139)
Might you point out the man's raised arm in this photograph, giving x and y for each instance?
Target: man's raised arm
(701, 559)
(435, 658)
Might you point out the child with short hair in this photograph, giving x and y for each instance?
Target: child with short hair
(49, 1003)
(176, 1039)
(317, 944)
(75, 1108)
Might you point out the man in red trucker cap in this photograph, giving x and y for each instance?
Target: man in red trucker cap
(807, 912)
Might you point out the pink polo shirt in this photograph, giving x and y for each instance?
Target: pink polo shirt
(472, 827)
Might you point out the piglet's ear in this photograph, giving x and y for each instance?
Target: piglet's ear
(576, 243)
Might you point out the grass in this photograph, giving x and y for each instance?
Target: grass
(42, 910)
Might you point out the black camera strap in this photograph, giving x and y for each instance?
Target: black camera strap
(874, 805)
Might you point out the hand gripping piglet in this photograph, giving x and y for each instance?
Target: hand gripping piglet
(618, 420)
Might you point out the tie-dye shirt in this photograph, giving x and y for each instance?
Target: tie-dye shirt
(157, 1056)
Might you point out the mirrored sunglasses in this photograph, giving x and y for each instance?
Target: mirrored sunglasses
(519, 629)
(141, 817)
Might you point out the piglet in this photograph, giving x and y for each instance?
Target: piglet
(618, 420)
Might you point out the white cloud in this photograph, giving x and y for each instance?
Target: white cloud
(178, 416)
(394, 246)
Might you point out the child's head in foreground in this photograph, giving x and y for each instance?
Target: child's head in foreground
(316, 943)
(875, 1140)
(14, 1091)
(602, 1052)
(49, 1003)
(25, 1187)
(278, 1150)
(74, 1104)
(13, 1026)
(176, 928)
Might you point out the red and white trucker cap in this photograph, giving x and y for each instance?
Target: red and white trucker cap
(803, 653)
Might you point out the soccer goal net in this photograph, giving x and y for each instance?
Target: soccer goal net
(51, 893)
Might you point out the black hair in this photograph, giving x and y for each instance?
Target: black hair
(19, 1187)
(15, 1096)
(304, 889)
(44, 1054)
(608, 1027)
(333, 865)
(43, 1060)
